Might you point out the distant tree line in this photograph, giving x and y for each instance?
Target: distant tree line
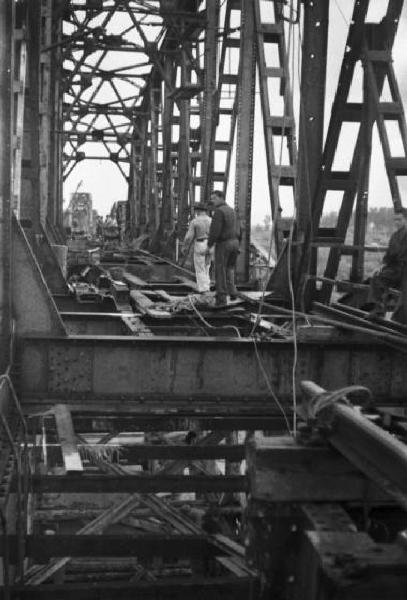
(381, 218)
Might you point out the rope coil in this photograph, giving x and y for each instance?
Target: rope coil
(313, 407)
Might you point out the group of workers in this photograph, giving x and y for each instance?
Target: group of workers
(217, 239)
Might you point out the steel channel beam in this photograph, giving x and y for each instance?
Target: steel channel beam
(377, 453)
(245, 133)
(6, 122)
(110, 484)
(209, 98)
(311, 130)
(198, 371)
(311, 127)
(31, 207)
(138, 453)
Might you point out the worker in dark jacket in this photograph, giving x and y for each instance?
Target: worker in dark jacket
(225, 233)
(394, 268)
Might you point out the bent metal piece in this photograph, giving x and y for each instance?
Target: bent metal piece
(378, 454)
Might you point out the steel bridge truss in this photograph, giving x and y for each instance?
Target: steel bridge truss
(369, 44)
(166, 92)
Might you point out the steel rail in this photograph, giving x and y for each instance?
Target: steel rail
(374, 451)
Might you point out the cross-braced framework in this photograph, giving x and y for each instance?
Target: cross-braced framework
(133, 79)
(166, 92)
(381, 103)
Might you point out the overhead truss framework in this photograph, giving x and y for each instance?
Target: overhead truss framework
(165, 90)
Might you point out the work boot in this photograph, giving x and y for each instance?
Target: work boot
(221, 300)
(376, 313)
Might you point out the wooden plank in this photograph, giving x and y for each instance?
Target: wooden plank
(45, 513)
(107, 517)
(187, 282)
(141, 301)
(67, 439)
(282, 471)
(133, 281)
(163, 296)
(216, 588)
(124, 420)
(44, 547)
(134, 452)
(231, 544)
(136, 326)
(100, 484)
(182, 523)
(352, 566)
(327, 517)
(230, 565)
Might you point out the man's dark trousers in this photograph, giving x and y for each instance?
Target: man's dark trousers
(388, 276)
(226, 254)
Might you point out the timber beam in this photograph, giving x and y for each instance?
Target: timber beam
(44, 547)
(200, 588)
(351, 566)
(135, 483)
(371, 449)
(315, 550)
(139, 452)
(281, 470)
(176, 421)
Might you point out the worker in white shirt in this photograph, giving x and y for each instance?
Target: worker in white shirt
(197, 234)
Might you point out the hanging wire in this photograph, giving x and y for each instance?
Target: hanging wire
(279, 167)
(307, 175)
(289, 268)
(290, 52)
(202, 318)
(270, 387)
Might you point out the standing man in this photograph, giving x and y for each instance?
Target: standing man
(394, 269)
(225, 233)
(197, 234)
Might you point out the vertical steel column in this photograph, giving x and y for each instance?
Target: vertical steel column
(245, 130)
(45, 112)
(153, 189)
(163, 243)
(142, 202)
(167, 210)
(30, 196)
(210, 98)
(20, 60)
(6, 121)
(131, 192)
(311, 130)
(134, 190)
(361, 209)
(184, 172)
(55, 198)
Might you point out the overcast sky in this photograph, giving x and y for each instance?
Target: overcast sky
(103, 180)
